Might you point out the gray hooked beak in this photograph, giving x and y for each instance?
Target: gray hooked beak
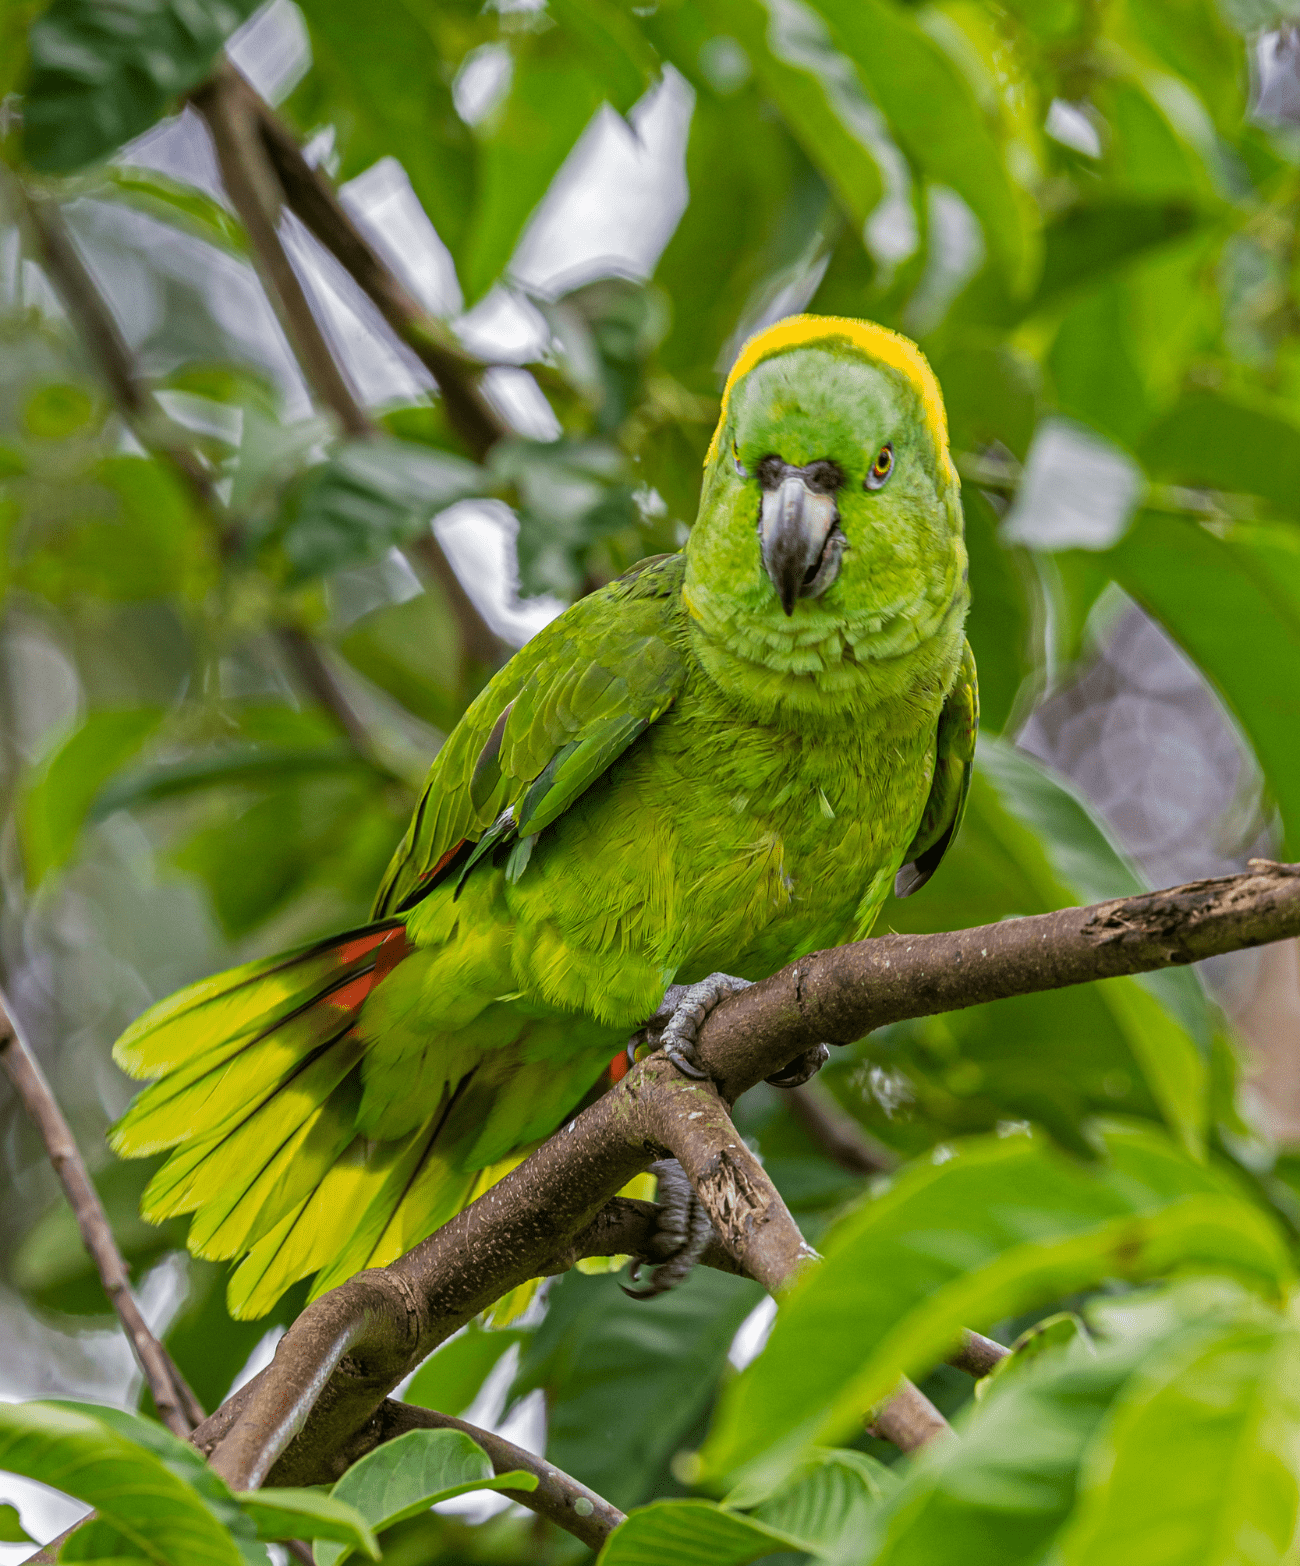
(801, 541)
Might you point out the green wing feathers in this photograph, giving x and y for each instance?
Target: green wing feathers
(550, 723)
(309, 1135)
(954, 759)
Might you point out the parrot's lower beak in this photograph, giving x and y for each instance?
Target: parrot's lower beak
(798, 530)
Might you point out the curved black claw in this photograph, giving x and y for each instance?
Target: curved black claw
(683, 1231)
(690, 1007)
(802, 1068)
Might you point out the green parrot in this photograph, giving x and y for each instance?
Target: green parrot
(722, 760)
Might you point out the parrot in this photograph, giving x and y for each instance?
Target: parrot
(715, 764)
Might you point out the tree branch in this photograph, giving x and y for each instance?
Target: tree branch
(345, 1353)
(559, 1498)
(314, 202)
(136, 405)
(261, 164)
(837, 1133)
(255, 194)
(177, 1406)
(849, 991)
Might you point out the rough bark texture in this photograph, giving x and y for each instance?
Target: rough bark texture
(339, 1361)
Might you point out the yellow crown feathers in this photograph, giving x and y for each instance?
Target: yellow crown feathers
(878, 342)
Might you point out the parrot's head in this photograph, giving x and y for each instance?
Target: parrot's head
(827, 560)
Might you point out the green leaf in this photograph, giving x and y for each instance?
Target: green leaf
(690, 1533)
(1002, 1226)
(370, 495)
(11, 1528)
(1029, 844)
(1232, 602)
(51, 1265)
(597, 1354)
(827, 1502)
(253, 856)
(1222, 443)
(133, 536)
(998, 1495)
(450, 1379)
(58, 799)
(307, 1514)
(412, 1473)
(1001, 623)
(55, 412)
(173, 202)
(251, 764)
(571, 495)
(817, 93)
(1064, 1330)
(1094, 238)
(387, 91)
(135, 1493)
(102, 71)
(411, 650)
(1195, 1460)
(553, 95)
(180, 1459)
(933, 111)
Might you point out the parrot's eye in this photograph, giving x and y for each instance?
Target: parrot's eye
(735, 457)
(879, 471)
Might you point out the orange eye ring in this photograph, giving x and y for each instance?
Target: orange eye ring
(879, 471)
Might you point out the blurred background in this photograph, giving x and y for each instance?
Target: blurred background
(295, 448)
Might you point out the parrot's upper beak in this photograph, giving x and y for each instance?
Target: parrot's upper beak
(801, 541)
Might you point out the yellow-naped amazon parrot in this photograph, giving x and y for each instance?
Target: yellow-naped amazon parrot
(722, 760)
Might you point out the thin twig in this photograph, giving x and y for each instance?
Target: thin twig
(977, 1355)
(837, 1133)
(241, 126)
(314, 202)
(309, 665)
(558, 1497)
(101, 337)
(254, 192)
(177, 1406)
(345, 1353)
(135, 403)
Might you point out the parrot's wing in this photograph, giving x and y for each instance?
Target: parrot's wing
(954, 759)
(564, 709)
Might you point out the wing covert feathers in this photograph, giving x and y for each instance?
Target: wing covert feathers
(954, 760)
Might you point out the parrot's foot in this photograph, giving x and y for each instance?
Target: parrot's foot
(682, 1233)
(675, 1027)
(687, 1006)
(802, 1068)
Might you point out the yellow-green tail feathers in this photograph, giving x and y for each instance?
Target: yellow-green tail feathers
(263, 1072)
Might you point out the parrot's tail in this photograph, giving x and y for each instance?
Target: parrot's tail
(258, 1094)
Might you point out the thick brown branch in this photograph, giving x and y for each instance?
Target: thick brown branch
(177, 1406)
(558, 1497)
(845, 993)
(755, 1225)
(345, 1353)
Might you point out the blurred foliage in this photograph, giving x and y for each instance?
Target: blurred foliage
(228, 655)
